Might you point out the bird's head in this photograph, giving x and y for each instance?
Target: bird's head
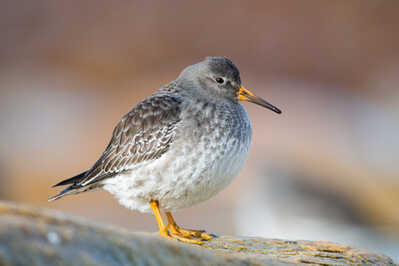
(219, 77)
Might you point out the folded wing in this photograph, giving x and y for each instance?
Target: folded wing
(143, 134)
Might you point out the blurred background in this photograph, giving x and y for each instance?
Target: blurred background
(327, 169)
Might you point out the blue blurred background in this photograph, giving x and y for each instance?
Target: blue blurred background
(327, 169)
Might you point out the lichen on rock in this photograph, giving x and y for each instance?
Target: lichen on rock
(32, 236)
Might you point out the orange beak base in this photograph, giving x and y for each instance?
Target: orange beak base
(245, 95)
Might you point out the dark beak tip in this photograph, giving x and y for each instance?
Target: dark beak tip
(257, 100)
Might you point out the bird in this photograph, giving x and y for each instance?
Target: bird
(178, 147)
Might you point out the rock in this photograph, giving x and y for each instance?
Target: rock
(32, 236)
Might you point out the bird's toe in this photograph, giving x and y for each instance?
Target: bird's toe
(186, 239)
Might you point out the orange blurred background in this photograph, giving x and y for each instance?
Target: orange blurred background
(326, 169)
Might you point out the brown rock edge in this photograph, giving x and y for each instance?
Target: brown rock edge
(33, 236)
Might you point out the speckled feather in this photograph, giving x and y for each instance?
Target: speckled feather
(143, 134)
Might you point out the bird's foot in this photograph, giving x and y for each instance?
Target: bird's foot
(175, 229)
(183, 238)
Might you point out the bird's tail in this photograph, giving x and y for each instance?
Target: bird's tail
(66, 191)
(72, 189)
(73, 180)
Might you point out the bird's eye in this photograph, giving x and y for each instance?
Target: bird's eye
(219, 80)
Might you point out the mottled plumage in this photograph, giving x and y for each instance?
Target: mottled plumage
(143, 134)
(178, 147)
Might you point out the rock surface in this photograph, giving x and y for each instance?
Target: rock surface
(31, 236)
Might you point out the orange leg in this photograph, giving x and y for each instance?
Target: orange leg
(174, 228)
(158, 216)
(163, 229)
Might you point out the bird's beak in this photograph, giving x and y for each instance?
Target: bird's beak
(245, 95)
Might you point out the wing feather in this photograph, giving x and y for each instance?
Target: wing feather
(145, 133)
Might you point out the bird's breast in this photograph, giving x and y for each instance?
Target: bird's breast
(213, 142)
